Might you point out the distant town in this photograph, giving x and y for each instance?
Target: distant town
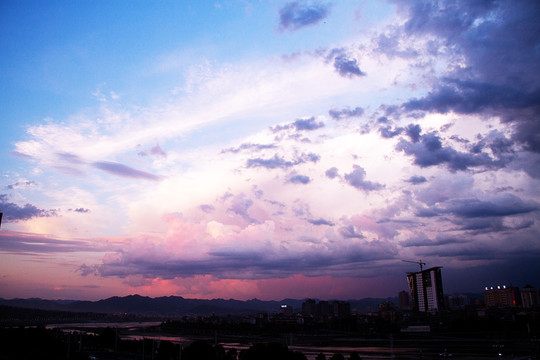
(504, 322)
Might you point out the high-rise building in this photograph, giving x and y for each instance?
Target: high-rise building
(502, 296)
(309, 307)
(530, 297)
(404, 300)
(426, 289)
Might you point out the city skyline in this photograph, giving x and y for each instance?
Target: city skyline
(267, 149)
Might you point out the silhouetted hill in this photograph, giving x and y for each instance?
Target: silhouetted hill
(174, 306)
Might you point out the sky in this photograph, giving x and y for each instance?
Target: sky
(267, 149)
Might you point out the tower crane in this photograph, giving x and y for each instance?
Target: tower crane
(419, 262)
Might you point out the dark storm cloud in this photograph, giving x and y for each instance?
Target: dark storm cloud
(296, 15)
(498, 42)
(299, 179)
(415, 180)
(430, 151)
(423, 242)
(356, 178)
(484, 225)
(277, 162)
(233, 263)
(122, 170)
(468, 97)
(413, 132)
(502, 205)
(345, 113)
(14, 212)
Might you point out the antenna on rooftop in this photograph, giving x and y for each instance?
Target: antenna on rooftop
(419, 262)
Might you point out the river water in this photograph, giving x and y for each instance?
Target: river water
(464, 349)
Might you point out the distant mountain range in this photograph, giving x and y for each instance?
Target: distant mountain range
(175, 306)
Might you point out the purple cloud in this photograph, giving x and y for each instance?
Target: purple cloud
(415, 180)
(320, 221)
(22, 184)
(307, 124)
(345, 113)
(122, 170)
(158, 151)
(295, 15)
(279, 162)
(299, 179)
(356, 178)
(429, 152)
(23, 243)
(14, 212)
(482, 31)
(347, 67)
(332, 172)
(249, 147)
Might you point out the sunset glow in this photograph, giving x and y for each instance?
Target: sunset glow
(267, 149)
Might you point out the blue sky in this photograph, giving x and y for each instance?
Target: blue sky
(266, 149)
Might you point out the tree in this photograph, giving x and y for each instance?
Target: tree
(270, 351)
(320, 356)
(337, 356)
(354, 356)
(199, 350)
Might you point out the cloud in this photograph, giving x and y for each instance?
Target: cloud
(279, 162)
(248, 147)
(24, 243)
(80, 210)
(22, 185)
(240, 205)
(296, 15)
(207, 208)
(155, 150)
(415, 180)
(387, 132)
(478, 33)
(424, 242)
(122, 170)
(299, 179)
(349, 232)
(501, 205)
(332, 172)
(14, 212)
(430, 151)
(347, 67)
(321, 221)
(413, 132)
(307, 124)
(346, 113)
(356, 178)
